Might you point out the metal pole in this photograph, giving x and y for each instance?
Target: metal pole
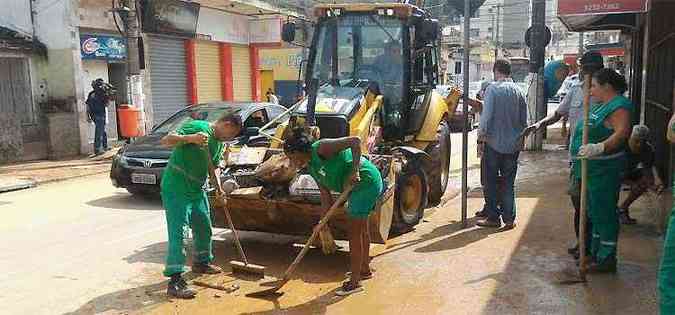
(581, 45)
(499, 7)
(465, 108)
(494, 36)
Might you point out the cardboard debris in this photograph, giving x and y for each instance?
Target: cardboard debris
(247, 193)
(277, 169)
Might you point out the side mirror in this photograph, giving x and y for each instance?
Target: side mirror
(428, 30)
(288, 32)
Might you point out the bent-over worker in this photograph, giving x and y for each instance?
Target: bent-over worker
(641, 174)
(336, 164)
(184, 197)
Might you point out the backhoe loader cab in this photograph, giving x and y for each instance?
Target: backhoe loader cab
(391, 48)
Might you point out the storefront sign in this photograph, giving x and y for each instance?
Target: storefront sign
(170, 17)
(103, 47)
(224, 27)
(265, 31)
(285, 62)
(582, 7)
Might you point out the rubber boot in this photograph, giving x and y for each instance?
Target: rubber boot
(178, 288)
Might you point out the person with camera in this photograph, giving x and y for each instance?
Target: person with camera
(97, 102)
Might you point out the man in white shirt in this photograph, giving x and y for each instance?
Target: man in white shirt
(271, 97)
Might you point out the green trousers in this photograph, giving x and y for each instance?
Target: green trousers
(182, 212)
(667, 270)
(603, 196)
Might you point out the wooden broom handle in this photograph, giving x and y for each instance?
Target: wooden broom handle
(341, 199)
(584, 180)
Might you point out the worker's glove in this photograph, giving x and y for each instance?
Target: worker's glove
(591, 150)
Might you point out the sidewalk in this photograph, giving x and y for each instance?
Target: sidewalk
(30, 174)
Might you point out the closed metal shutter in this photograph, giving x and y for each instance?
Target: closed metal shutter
(168, 76)
(209, 87)
(241, 73)
(15, 91)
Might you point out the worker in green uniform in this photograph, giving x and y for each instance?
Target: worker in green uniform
(184, 197)
(609, 128)
(335, 164)
(667, 267)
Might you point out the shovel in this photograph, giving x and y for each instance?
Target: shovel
(276, 285)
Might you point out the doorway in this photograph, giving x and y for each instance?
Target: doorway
(267, 82)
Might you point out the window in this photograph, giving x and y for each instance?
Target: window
(257, 119)
(274, 111)
(475, 32)
(458, 67)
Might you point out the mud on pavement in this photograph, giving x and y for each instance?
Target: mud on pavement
(440, 268)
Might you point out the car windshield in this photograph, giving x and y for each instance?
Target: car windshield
(207, 113)
(360, 47)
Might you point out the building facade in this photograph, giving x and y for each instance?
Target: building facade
(51, 51)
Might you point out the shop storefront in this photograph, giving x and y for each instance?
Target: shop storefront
(104, 57)
(279, 72)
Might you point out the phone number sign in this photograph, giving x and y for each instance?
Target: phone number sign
(581, 7)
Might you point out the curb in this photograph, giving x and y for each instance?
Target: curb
(35, 183)
(60, 179)
(25, 184)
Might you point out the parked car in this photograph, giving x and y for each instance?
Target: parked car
(138, 166)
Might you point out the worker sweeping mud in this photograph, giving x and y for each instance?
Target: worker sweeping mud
(609, 128)
(336, 164)
(184, 197)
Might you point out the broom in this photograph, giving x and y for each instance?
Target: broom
(237, 266)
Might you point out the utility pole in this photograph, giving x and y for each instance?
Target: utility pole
(465, 108)
(537, 105)
(134, 76)
(132, 40)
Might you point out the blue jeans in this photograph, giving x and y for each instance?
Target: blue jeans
(100, 136)
(507, 165)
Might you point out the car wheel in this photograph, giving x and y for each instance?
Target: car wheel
(439, 168)
(410, 197)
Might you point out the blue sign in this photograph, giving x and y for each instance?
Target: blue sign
(103, 47)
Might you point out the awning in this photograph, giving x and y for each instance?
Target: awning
(15, 41)
(593, 15)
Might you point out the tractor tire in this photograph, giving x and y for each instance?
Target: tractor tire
(439, 168)
(410, 197)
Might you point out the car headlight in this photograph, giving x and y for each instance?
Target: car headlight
(121, 160)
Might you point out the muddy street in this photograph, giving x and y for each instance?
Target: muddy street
(84, 247)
